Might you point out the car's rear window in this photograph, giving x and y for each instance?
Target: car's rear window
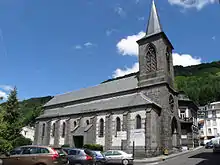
(73, 152)
(60, 151)
(16, 152)
(88, 152)
(98, 154)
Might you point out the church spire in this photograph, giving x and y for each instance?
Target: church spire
(154, 25)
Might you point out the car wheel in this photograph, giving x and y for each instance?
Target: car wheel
(125, 161)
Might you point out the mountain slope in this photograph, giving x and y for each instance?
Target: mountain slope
(200, 82)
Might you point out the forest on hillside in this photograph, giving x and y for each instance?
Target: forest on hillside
(200, 82)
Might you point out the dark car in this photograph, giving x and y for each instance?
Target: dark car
(209, 145)
(100, 158)
(80, 156)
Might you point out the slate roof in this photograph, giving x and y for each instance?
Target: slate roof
(115, 86)
(129, 100)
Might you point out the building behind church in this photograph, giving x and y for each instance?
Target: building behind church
(139, 109)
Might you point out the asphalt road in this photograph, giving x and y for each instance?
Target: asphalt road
(199, 157)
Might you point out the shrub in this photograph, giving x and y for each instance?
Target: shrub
(21, 141)
(96, 147)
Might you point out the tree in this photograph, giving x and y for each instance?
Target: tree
(12, 118)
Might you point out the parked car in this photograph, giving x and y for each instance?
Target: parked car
(216, 144)
(31, 155)
(80, 156)
(209, 145)
(118, 157)
(100, 158)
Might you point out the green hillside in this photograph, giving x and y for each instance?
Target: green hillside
(200, 82)
(31, 108)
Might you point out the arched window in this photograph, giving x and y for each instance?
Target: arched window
(53, 130)
(138, 122)
(151, 58)
(64, 129)
(101, 128)
(168, 54)
(118, 124)
(74, 123)
(87, 122)
(43, 130)
(171, 103)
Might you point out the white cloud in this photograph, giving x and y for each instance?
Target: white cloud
(121, 72)
(110, 31)
(198, 4)
(213, 37)
(88, 44)
(85, 45)
(6, 87)
(140, 18)
(3, 95)
(128, 45)
(78, 47)
(185, 59)
(120, 11)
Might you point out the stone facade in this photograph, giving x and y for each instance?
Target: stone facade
(139, 111)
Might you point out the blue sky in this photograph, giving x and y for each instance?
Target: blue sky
(55, 46)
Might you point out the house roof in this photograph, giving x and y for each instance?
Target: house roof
(118, 85)
(118, 102)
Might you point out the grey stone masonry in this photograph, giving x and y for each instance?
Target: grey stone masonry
(108, 130)
(57, 133)
(47, 132)
(68, 132)
(36, 134)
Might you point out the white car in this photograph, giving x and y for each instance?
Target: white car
(118, 157)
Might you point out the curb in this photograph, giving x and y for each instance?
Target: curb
(163, 158)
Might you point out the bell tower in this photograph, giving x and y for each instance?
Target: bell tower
(156, 80)
(155, 54)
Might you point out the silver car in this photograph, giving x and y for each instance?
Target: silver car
(118, 157)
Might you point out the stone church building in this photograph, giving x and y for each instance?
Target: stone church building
(140, 108)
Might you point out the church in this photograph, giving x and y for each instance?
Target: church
(139, 109)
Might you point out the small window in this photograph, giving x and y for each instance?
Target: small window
(43, 130)
(101, 128)
(74, 123)
(138, 122)
(209, 130)
(64, 129)
(87, 122)
(53, 130)
(118, 124)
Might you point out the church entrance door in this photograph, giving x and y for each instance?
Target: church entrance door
(78, 141)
